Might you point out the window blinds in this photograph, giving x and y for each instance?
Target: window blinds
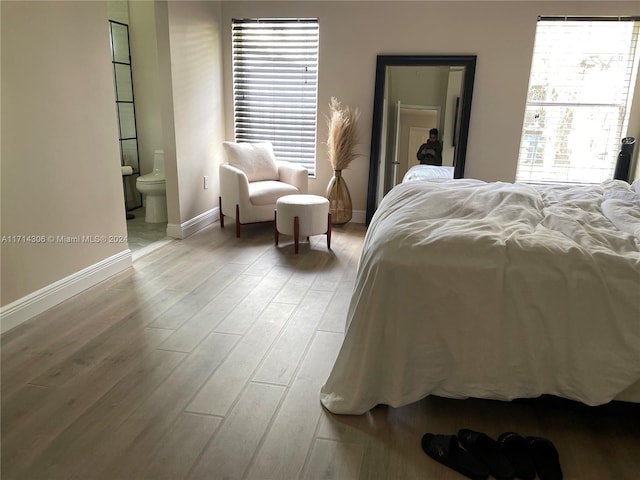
(275, 78)
(582, 77)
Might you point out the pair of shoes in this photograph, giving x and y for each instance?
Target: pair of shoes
(531, 455)
(480, 457)
(446, 450)
(512, 456)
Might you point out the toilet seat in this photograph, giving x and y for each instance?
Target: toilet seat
(150, 179)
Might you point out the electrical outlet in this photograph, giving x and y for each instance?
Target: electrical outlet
(206, 182)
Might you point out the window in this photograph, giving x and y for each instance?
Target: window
(275, 78)
(580, 90)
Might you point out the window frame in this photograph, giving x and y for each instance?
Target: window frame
(275, 85)
(543, 109)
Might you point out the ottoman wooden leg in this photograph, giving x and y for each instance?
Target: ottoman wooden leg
(329, 233)
(296, 232)
(238, 221)
(276, 234)
(221, 214)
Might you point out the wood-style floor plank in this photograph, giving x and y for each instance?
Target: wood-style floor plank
(282, 361)
(190, 333)
(240, 319)
(223, 388)
(87, 433)
(108, 345)
(334, 316)
(194, 301)
(31, 355)
(181, 447)
(332, 461)
(52, 413)
(289, 440)
(129, 445)
(231, 451)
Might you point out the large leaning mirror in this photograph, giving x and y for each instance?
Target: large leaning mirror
(413, 94)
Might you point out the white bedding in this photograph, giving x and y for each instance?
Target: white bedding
(492, 290)
(425, 172)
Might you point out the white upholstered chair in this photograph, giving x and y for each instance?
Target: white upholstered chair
(253, 180)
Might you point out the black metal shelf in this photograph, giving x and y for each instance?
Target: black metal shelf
(126, 110)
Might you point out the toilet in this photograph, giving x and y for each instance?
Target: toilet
(152, 187)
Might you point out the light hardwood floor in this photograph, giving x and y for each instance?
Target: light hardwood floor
(205, 360)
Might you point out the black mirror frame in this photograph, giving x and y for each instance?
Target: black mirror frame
(384, 61)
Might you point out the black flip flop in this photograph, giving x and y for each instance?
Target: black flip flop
(545, 458)
(445, 449)
(516, 449)
(487, 450)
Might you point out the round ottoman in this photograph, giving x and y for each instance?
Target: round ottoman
(302, 216)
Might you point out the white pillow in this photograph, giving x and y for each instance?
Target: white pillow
(256, 160)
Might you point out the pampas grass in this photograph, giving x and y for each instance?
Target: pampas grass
(343, 135)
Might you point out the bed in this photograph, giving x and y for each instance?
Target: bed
(497, 291)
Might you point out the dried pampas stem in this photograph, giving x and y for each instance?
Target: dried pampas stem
(343, 135)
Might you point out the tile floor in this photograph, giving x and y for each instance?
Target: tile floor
(142, 234)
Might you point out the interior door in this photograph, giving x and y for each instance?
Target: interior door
(415, 123)
(417, 136)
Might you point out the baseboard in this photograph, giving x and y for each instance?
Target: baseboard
(358, 216)
(190, 227)
(15, 313)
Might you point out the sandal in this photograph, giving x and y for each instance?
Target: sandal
(446, 450)
(516, 449)
(487, 450)
(545, 458)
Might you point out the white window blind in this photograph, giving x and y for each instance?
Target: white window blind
(275, 83)
(580, 90)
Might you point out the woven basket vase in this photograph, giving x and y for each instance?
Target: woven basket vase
(339, 199)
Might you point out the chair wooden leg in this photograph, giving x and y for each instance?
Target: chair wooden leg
(296, 232)
(237, 220)
(276, 234)
(329, 232)
(221, 214)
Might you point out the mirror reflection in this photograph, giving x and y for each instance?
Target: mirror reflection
(417, 97)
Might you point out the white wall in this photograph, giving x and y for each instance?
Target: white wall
(500, 33)
(176, 57)
(190, 72)
(196, 68)
(60, 156)
(146, 84)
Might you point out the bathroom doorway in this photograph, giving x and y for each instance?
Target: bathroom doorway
(141, 234)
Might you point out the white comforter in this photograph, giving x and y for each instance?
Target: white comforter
(493, 290)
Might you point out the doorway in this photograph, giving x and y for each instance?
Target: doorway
(140, 234)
